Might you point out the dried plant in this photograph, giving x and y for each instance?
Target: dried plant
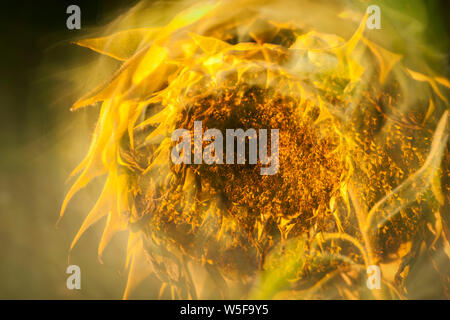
(363, 176)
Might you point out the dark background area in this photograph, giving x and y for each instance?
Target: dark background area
(31, 31)
(41, 142)
(39, 148)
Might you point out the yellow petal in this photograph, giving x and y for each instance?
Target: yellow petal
(121, 45)
(423, 78)
(385, 58)
(208, 44)
(152, 59)
(140, 268)
(100, 209)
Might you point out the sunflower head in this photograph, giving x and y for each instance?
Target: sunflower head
(357, 154)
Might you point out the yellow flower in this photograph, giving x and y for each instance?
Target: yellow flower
(358, 155)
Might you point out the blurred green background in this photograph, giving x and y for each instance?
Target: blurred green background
(41, 141)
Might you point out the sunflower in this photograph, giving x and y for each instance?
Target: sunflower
(363, 163)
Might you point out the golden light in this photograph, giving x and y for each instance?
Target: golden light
(363, 156)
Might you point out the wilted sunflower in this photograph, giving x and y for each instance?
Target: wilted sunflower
(363, 163)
